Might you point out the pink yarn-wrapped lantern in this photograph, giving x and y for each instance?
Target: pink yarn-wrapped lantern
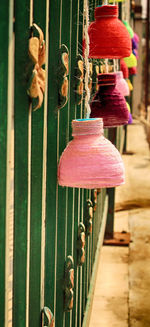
(90, 160)
(136, 38)
(121, 84)
(108, 103)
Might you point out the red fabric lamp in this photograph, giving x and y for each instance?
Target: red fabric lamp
(124, 69)
(108, 36)
(133, 71)
(108, 103)
(90, 160)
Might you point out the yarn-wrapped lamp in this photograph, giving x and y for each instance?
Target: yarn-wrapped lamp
(121, 84)
(131, 61)
(136, 38)
(133, 71)
(108, 37)
(130, 85)
(124, 68)
(90, 160)
(134, 44)
(130, 121)
(130, 115)
(135, 52)
(108, 103)
(129, 28)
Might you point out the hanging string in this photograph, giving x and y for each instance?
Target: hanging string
(86, 54)
(106, 66)
(106, 60)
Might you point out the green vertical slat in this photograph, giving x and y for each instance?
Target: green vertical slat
(62, 192)
(54, 30)
(21, 107)
(39, 17)
(4, 23)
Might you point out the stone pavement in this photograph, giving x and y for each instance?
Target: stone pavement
(122, 291)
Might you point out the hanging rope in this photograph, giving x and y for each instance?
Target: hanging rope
(86, 54)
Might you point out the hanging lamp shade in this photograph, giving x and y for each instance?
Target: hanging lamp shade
(121, 84)
(133, 71)
(131, 61)
(130, 121)
(108, 37)
(135, 52)
(124, 68)
(129, 28)
(130, 85)
(108, 103)
(128, 106)
(130, 115)
(134, 44)
(90, 160)
(136, 38)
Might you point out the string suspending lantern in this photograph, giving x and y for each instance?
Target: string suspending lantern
(90, 160)
(108, 102)
(107, 34)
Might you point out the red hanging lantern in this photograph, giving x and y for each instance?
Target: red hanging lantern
(133, 71)
(124, 69)
(108, 36)
(108, 103)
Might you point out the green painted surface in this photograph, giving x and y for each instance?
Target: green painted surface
(51, 218)
(21, 107)
(4, 19)
(39, 17)
(64, 207)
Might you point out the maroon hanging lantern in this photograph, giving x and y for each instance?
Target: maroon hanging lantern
(108, 36)
(108, 103)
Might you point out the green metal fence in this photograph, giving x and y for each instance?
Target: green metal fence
(39, 219)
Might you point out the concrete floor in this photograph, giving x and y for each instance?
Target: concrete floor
(122, 291)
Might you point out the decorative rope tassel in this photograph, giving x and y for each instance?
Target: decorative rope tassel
(86, 54)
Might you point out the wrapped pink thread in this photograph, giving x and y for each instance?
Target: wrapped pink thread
(108, 102)
(121, 84)
(90, 160)
(136, 38)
